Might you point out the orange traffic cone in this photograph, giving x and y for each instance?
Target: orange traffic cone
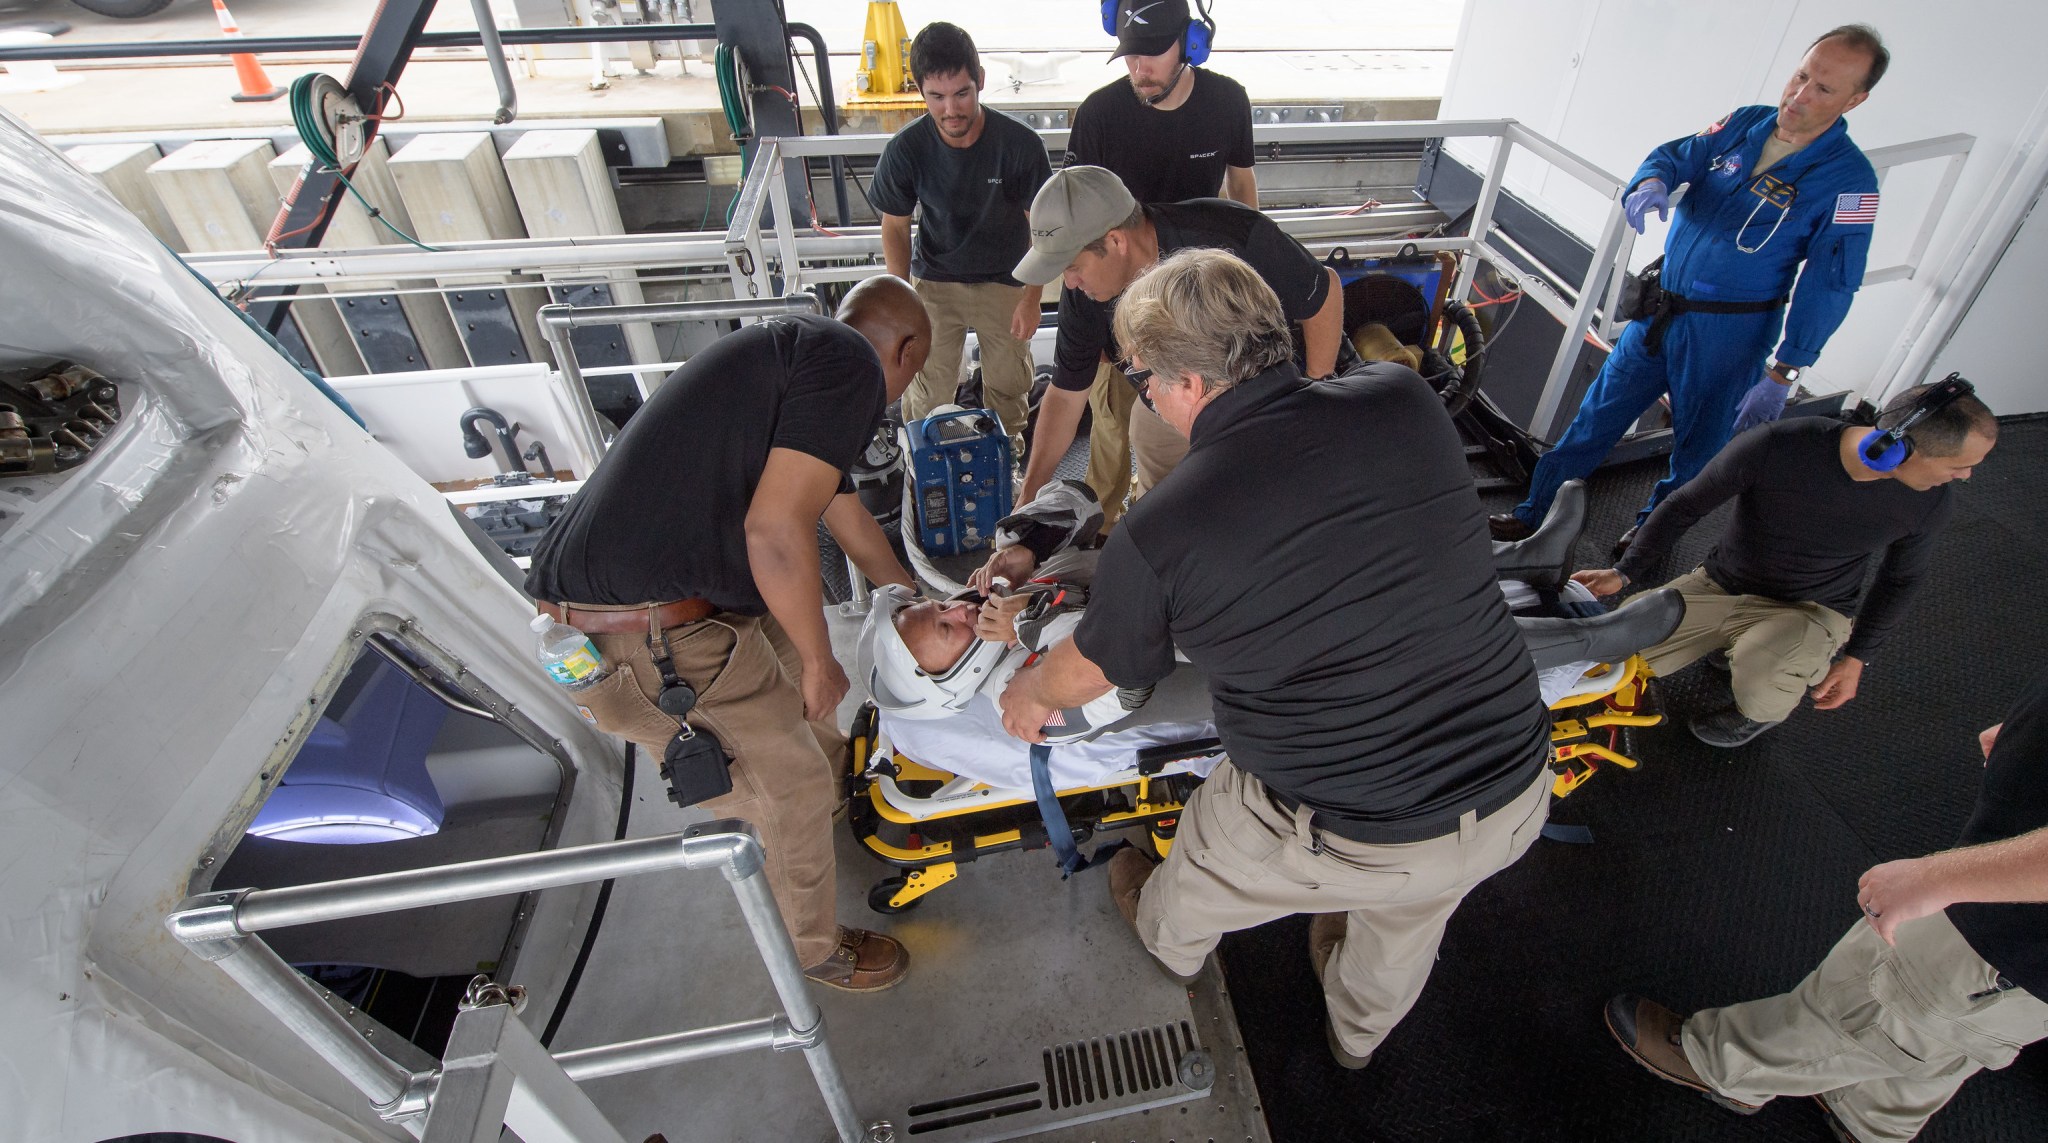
(256, 87)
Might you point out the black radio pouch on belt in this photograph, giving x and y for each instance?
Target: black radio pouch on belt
(695, 766)
(1642, 295)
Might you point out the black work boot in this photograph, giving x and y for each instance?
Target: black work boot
(1727, 728)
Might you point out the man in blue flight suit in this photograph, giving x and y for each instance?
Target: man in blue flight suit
(1772, 188)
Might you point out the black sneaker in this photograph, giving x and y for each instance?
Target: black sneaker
(1727, 728)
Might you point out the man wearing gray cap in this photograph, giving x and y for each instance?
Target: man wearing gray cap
(1088, 231)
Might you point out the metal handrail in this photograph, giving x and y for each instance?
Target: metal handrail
(558, 319)
(221, 927)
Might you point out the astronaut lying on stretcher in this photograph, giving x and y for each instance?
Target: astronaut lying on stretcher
(937, 668)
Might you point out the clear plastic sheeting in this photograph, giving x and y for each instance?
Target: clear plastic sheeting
(170, 610)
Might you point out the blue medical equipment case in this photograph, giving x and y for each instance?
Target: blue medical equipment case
(960, 478)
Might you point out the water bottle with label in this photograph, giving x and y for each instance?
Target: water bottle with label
(567, 654)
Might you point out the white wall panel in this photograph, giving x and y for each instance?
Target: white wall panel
(1611, 79)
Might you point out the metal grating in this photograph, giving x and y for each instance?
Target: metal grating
(1108, 1067)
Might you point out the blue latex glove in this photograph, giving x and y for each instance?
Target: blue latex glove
(1763, 404)
(1649, 195)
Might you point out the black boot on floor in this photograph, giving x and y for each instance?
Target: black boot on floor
(1727, 728)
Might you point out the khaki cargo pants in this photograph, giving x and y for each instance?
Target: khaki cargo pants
(1240, 859)
(1775, 650)
(985, 308)
(784, 778)
(1885, 1034)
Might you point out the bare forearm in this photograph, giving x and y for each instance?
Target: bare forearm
(1322, 331)
(1242, 184)
(1059, 415)
(784, 561)
(1066, 678)
(2013, 870)
(896, 244)
(864, 542)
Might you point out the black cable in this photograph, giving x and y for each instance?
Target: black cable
(604, 896)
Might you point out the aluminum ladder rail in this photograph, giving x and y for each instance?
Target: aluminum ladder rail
(495, 1073)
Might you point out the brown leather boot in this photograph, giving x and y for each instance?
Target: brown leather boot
(1128, 872)
(864, 962)
(1649, 1033)
(1508, 528)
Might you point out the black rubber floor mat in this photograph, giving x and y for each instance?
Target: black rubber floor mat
(1715, 876)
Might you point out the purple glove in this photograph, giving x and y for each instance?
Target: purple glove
(1649, 195)
(1762, 404)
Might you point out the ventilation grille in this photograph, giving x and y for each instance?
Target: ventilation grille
(960, 1109)
(1109, 1067)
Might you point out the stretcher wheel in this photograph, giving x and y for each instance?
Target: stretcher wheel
(885, 889)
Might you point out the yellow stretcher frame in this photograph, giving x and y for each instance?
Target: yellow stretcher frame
(929, 864)
(1574, 754)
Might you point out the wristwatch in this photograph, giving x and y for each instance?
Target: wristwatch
(1789, 374)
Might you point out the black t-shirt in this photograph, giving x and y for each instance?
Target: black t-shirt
(1166, 156)
(1214, 223)
(972, 227)
(1803, 529)
(1322, 555)
(2014, 801)
(663, 516)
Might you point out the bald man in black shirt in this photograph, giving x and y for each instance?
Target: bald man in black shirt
(690, 558)
(1782, 591)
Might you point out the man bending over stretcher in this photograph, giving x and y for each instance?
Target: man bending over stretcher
(935, 668)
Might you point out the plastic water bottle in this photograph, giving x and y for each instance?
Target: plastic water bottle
(567, 654)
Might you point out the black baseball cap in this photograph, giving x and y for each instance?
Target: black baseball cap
(1149, 27)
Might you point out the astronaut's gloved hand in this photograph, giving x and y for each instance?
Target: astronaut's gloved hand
(1764, 403)
(1649, 195)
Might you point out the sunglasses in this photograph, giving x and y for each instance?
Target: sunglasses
(1141, 379)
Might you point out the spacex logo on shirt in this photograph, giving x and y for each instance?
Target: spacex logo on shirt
(1204, 155)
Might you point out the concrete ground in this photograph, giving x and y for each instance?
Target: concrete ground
(1387, 60)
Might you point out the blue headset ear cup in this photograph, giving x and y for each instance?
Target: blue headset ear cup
(1198, 37)
(1109, 16)
(1893, 456)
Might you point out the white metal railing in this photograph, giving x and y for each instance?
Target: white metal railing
(767, 250)
(495, 1073)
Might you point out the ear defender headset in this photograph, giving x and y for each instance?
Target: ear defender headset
(1883, 450)
(1195, 41)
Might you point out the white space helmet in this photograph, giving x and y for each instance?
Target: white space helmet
(895, 681)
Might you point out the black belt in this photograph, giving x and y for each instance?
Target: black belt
(1670, 305)
(1401, 832)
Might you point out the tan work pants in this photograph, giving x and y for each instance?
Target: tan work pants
(1775, 650)
(985, 308)
(1240, 860)
(1885, 1034)
(1158, 447)
(1109, 442)
(749, 693)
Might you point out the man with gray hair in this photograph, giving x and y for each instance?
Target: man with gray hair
(1322, 556)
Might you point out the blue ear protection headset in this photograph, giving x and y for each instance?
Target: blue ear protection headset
(1883, 450)
(1195, 42)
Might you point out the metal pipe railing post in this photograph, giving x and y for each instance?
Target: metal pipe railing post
(290, 997)
(749, 879)
(1561, 366)
(574, 386)
(1482, 214)
(494, 51)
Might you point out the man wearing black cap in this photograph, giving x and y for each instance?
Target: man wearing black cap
(1088, 231)
(1175, 131)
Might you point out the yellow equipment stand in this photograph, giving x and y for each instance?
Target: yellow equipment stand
(884, 74)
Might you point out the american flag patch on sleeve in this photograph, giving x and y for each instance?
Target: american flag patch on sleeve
(1852, 208)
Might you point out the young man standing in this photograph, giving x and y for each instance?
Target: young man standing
(1172, 132)
(971, 172)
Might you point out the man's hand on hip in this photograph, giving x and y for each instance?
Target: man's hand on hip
(1838, 686)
